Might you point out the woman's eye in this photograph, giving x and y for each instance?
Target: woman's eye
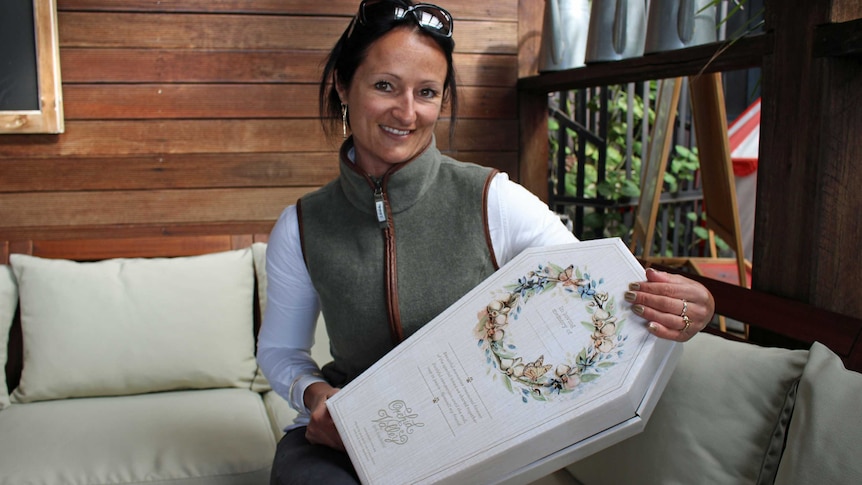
(383, 86)
(428, 93)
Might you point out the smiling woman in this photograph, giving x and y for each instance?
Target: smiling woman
(417, 228)
(397, 94)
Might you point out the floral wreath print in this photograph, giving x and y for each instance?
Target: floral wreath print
(531, 376)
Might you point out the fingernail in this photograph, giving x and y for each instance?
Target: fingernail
(652, 327)
(630, 296)
(634, 286)
(638, 309)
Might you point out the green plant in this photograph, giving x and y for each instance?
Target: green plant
(621, 182)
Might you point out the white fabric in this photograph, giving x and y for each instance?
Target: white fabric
(128, 326)
(8, 303)
(202, 437)
(517, 220)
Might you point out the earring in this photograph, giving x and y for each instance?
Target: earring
(344, 120)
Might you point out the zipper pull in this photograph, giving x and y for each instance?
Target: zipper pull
(380, 206)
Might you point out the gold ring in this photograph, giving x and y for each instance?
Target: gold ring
(687, 323)
(684, 308)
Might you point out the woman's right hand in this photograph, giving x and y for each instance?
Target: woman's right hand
(321, 429)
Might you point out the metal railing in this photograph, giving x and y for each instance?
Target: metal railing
(595, 189)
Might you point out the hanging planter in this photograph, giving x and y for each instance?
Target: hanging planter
(675, 24)
(617, 30)
(564, 34)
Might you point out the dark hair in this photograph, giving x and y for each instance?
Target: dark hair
(350, 51)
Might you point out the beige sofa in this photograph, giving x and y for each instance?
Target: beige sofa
(135, 371)
(143, 371)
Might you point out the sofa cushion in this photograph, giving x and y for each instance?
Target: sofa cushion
(129, 326)
(203, 437)
(258, 251)
(823, 439)
(8, 303)
(719, 420)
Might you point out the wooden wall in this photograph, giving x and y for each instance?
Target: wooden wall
(189, 116)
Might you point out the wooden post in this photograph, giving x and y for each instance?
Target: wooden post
(532, 106)
(807, 230)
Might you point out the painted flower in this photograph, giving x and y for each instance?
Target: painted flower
(603, 343)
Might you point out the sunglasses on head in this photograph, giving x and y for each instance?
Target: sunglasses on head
(430, 17)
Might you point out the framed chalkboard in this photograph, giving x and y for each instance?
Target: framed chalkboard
(31, 99)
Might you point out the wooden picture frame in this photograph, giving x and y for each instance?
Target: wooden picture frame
(47, 116)
(655, 164)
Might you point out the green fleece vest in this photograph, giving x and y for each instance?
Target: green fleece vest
(380, 281)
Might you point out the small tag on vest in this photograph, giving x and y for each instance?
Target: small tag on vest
(380, 207)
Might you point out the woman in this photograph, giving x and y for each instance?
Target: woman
(374, 248)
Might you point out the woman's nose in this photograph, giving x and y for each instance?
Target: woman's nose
(405, 110)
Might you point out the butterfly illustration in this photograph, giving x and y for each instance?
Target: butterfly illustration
(535, 370)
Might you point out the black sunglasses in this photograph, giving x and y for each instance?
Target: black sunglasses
(430, 17)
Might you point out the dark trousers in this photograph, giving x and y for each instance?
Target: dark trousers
(298, 462)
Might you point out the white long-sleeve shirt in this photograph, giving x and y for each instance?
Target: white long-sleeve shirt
(517, 220)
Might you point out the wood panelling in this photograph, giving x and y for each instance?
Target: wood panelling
(496, 10)
(89, 65)
(159, 101)
(190, 116)
(204, 31)
(139, 137)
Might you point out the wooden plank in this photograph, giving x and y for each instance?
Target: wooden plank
(714, 57)
(189, 101)
(839, 39)
(460, 9)
(533, 143)
(200, 31)
(260, 228)
(145, 207)
(188, 171)
(837, 277)
(119, 65)
(530, 19)
(122, 137)
(787, 180)
(141, 247)
(792, 319)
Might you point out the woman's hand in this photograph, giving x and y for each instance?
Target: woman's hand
(321, 429)
(675, 306)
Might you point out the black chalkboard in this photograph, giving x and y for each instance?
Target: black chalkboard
(19, 83)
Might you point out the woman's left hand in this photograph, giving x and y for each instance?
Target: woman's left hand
(675, 307)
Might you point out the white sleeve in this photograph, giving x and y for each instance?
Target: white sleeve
(287, 333)
(518, 220)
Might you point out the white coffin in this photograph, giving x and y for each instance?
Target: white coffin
(538, 366)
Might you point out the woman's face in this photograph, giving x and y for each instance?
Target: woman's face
(394, 99)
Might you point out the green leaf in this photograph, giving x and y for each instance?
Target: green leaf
(630, 189)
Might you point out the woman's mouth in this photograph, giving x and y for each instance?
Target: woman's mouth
(389, 129)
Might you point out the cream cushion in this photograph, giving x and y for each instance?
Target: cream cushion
(8, 303)
(130, 326)
(823, 439)
(725, 404)
(204, 437)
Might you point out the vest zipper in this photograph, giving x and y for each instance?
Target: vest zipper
(381, 209)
